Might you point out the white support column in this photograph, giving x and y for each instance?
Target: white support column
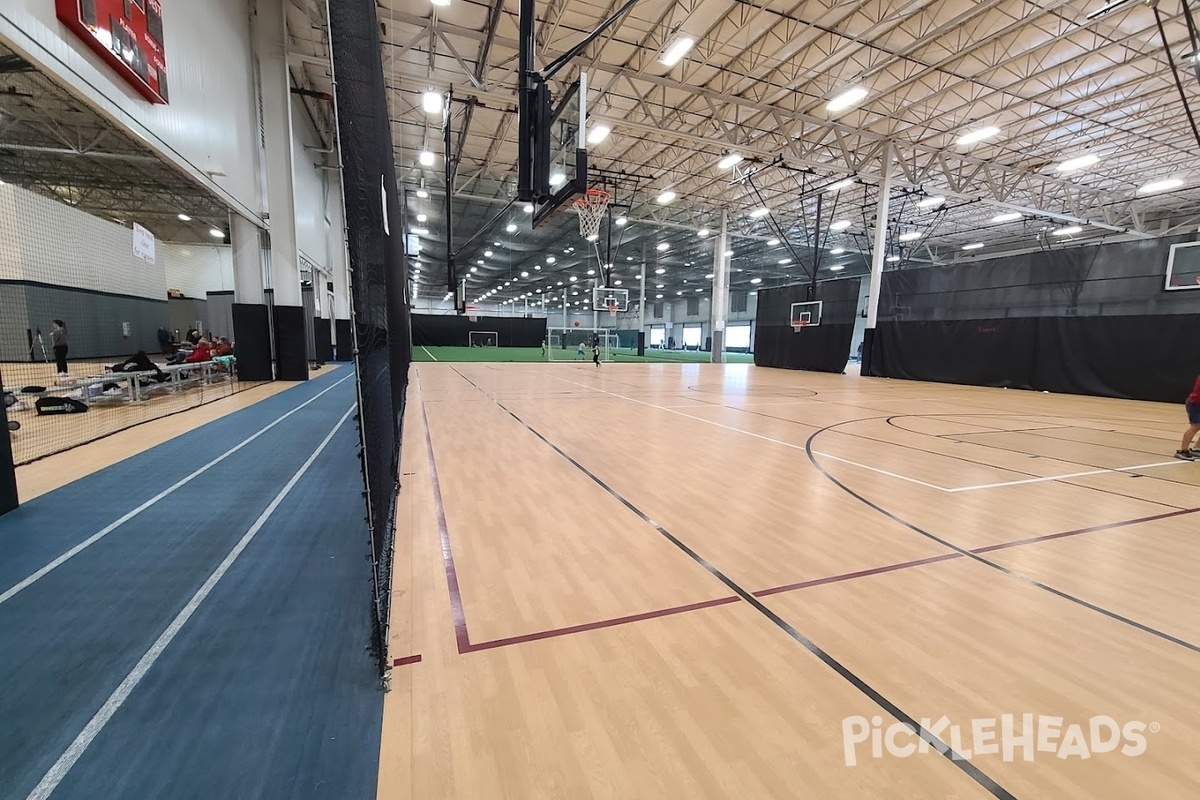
(641, 329)
(881, 227)
(720, 291)
(270, 38)
(878, 256)
(246, 240)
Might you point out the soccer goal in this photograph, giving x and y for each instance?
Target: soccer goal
(575, 344)
(483, 338)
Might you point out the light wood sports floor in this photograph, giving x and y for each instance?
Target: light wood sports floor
(679, 581)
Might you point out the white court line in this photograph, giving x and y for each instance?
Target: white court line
(885, 472)
(1176, 462)
(68, 759)
(112, 526)
(431, 355)
(876, 469)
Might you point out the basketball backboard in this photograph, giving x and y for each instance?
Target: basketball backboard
(553, 128)
(805, 315)
(604, 298)
(1183, 266)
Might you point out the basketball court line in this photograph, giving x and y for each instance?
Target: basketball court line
(943, 749)
(981, 560)
(898, 476)
(24, 584)
(55, 775)
(431, 355)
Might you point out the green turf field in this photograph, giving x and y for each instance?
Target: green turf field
(535, 354)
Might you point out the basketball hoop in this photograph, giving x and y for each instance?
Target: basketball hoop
(591, 208)
(799, 325)
(612, 310)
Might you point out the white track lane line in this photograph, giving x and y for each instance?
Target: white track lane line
(68, 759)
(112, 526)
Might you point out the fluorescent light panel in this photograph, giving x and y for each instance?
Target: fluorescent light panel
(911, 236)
(837, 187)
(432, 102)
(930, 202)
(730, 161)
(1160, 186)
(850, 97)
(973, 246)
(598, 133)
(1009, 217)
(840, 225)
(666, 197)
(1068, 231)
(676, 50)
(1081, 162)
(759, 212)
(973, 137)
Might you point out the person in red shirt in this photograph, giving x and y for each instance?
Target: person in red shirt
(203, 352)
(1186, 451)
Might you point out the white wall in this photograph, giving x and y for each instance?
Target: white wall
(52, 243)
(210, 123)
(197, 269)
(309, 186)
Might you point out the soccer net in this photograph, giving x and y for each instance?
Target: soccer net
(575, 344)
(483, 338)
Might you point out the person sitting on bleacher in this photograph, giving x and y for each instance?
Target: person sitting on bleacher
(203, 352)
(137, 363)
(221, 348)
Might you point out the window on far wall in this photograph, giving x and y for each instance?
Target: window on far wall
(658, 310)
(737, 302)
(737, 337)
(693, 307)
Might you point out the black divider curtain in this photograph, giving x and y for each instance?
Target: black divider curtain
(432, 330)
(291, 343)
(8, 472)
(324, 340)
(252, 340)
(822, 348)
(345, 340)
(381, 328)
(1131, 357)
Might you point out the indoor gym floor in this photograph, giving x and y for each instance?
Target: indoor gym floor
(193, 621)
(669, 581)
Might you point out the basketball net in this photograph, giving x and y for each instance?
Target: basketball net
(799, 326)
(591, 208)
(612, 310)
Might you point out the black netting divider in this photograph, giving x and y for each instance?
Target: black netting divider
(378, 293)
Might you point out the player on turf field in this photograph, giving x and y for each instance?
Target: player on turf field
(1187, 452)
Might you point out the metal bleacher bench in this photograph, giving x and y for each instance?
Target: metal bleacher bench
(136, 386)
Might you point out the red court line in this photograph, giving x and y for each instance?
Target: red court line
(1094, 529)
(456, 603)
(463, 638)
(403, 662)
(606, 623)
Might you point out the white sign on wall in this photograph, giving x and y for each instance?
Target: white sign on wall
(143, 243)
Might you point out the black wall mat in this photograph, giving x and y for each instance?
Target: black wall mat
(8, 473)
(345, 340)
(823, 348)
(324, 340)
(252, 342)
(1131, 357)
(444, 330)
(291, 344)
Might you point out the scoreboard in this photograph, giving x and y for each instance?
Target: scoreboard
(128, 34)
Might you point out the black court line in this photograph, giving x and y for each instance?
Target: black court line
(974, 772)
(976, 557)
(1075, 441)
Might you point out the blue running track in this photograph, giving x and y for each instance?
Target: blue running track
(267, 690)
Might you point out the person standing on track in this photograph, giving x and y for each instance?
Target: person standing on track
(61, 340)
(1186, 451)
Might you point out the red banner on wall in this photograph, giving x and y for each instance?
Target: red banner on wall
(128, 35)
